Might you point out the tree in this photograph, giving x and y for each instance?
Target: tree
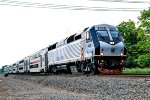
(144, 20)
(3, 68)
(129, 32)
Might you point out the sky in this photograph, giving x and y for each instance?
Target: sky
(25, 30)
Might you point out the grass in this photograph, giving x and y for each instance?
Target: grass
(136, 71)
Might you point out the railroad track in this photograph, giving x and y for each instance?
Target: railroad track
(80, 74)
(128, 76)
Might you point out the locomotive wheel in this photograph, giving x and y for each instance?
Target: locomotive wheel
(85, 68)
(78, 65)
(92, 68)
(68, 69)
(55, 69)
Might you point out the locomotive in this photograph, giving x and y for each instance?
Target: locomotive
(97, 49)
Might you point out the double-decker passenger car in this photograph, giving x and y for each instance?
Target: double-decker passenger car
(36, 61)
(14, 68)
(10, 70)
(21, 66)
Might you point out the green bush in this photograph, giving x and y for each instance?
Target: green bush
(131, 63)
(143, 61)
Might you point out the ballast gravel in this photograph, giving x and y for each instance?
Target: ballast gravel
(70, 87)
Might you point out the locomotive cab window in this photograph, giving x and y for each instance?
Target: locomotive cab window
(115, 35)
(102, 35)
(88, 37)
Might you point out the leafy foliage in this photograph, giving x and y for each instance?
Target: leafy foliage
(128, 31)
(143, 61)
(3, 69)
(137, 41)
(145, 20)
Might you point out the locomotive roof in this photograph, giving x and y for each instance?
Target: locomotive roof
(101, 25)
(106, 25)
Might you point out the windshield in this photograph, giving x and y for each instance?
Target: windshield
(103, 35)
(115, 35)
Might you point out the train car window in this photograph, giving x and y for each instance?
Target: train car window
(54, 46)
(21, 68)
(49, 48)
(34, 66)
(88, 37)
(14, 64)
(78, 37)
(70, 39)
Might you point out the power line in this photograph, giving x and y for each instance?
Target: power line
(123, 1)
(69, 7)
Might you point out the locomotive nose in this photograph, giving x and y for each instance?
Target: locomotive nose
(113, 50)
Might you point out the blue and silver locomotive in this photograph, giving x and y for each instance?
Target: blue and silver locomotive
(99, 48)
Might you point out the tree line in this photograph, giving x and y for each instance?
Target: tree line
(137, 40)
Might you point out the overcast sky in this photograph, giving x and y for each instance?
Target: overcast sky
(25, 30)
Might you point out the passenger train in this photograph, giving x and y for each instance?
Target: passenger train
(97, 49)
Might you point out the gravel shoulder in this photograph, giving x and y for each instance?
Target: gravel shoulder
(16, 88)
(55, 87)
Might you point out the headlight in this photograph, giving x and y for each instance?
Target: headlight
(121, 54)
(112, 43)
(102, 53)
